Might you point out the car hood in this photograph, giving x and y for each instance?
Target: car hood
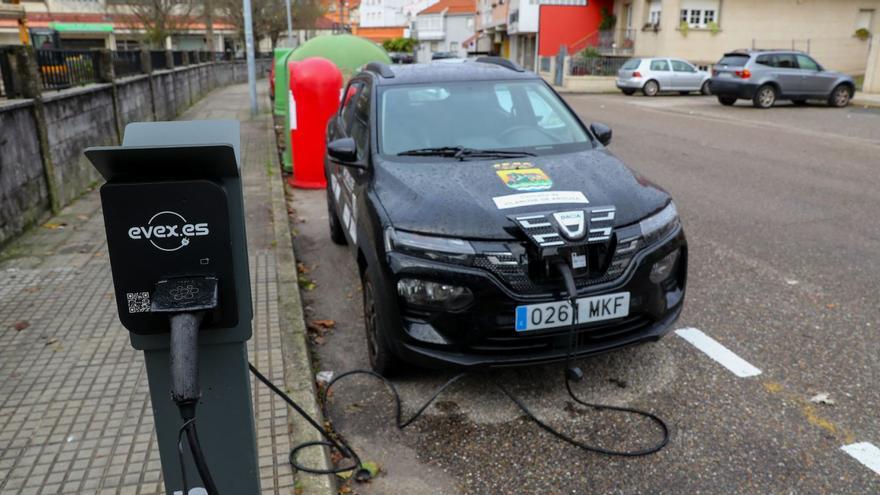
(451, 198)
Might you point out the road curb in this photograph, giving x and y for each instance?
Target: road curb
(298, 369)
(861, 102)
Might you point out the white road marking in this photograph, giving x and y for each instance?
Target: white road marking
(725, 357)
(866, 453)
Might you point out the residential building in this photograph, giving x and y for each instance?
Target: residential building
(110, 24)
(444, 27)
(386, 19)
(522, 28)
(491, 27)
(702, 30)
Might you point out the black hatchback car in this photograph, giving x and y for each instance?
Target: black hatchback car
(460, 188)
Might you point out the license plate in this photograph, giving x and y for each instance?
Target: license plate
(559, 313)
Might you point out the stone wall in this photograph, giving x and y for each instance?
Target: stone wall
(76, 118)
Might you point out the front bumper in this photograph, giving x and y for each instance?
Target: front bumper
(733, 87)
(482, 335)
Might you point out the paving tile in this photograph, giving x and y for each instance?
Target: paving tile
(71, 411)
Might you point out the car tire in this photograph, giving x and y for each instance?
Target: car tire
(840, 96)
(377, 328)
(651, 88)
(628, 92)
(764, 97)
(337, 235)
(706, 89)
(726, 100)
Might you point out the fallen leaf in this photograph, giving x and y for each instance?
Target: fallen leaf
(54, 225)
(82, 217)
(325, 323)
(31, 290)
(372, 467)
(319, 340)
(51, 341)
(831, 305)
(21, 325)
(301, 267)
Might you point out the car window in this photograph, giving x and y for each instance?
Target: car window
(768, 60)
(736, 60)
(785, 61)
(347, 109)
(360, 125)
(806, 63)
(631, 64)
(660, 65)
(680, 66)
(516, 115)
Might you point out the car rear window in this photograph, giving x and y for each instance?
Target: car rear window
(733, 60)
(631, 64)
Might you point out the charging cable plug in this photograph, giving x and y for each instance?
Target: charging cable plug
(572, 373)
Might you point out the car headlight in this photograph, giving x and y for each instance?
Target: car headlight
(660, 224)
(434, 248)
(425, 293)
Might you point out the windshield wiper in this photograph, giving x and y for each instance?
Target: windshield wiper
(441, 151)
(460, 152)
(471, 152)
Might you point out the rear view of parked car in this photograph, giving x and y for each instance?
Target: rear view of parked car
(653, 75)
(768, 76)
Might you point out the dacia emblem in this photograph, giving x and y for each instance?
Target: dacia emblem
(572, 224)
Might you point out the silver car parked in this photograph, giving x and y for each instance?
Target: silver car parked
(765, 76)
(653, 75)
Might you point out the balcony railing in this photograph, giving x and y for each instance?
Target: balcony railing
(60, 69)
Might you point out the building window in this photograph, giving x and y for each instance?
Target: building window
(708, 17)
(699, 13)
(654, 12)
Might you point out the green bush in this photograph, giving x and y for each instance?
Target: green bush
(862, 34)
(399, 45)
(608, 21)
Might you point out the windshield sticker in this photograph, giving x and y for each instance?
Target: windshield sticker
(539, 198)
(526, 179)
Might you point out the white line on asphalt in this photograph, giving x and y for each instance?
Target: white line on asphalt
(866, 453)
(737, 365)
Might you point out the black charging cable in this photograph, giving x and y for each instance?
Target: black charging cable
(336, 441)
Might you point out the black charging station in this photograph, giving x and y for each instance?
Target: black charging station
(174, 216)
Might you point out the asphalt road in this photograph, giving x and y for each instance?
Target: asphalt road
(780, 208)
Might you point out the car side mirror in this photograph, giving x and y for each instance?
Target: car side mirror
(343, 150)
(602, 132)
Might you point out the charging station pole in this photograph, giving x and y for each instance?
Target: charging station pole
(174, 213)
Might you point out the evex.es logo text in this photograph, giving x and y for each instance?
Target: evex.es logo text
(168, 231)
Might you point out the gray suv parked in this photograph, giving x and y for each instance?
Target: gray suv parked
(766, 76)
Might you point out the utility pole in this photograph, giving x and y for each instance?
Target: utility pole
(289, 25)
(249, 49)
(209, 24)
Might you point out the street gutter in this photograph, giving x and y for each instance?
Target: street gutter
(294, 347)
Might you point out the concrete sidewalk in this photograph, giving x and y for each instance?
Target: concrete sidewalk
(75, 414)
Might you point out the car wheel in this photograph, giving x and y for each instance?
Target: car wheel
(337, 235)
(765, 97)
(628, 92)
(382, 358)
(840, 96)
(705, 89)
(651, 88)
(727, 100)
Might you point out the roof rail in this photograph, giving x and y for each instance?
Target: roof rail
(379, 68)
(503, 62)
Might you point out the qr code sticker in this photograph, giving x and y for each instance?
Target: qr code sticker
(138, 302)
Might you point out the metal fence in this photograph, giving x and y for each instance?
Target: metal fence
(587, 64)
(126, 63)
(61, 69)
(544, 64)
(177, 57)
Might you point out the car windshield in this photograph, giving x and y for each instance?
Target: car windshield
(477, 115)
(631, 64)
